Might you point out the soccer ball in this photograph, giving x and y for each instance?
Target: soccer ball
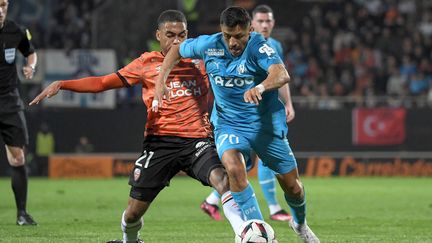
(255, 231)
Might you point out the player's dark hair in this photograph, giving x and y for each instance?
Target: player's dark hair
(171, 16)
(262, 9)
(233, 16)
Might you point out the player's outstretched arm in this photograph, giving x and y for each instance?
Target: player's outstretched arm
(276, 78)
(49, 91)
(161, 90)
(83, 85)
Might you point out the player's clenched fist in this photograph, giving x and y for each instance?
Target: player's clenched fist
(49, 91)
(253, 95)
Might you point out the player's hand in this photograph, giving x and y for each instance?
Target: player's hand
(253, 95)
(290, 113)
(161, 92)
(28, 72)
(48, 92)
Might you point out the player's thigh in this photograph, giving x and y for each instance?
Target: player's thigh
(228, 138)
(203, 160)
(275, 153)
(13, 129)
(251, 161)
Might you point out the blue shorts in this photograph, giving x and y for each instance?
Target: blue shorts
(273, 150)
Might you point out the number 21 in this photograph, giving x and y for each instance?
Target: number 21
(143, 157)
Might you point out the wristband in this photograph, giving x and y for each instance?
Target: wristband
(260, 88)
(155, 103)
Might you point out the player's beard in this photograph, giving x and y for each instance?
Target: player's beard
(236, 51)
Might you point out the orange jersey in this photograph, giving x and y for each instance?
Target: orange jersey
(186, 114)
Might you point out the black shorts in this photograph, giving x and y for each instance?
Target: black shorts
(164, 156)
(13, 129)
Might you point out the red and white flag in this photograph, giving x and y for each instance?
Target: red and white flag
(378, 126)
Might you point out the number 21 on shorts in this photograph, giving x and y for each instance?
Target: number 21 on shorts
(146, 156)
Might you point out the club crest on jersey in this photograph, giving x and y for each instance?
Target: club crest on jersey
(241, 68)
(9, 54)
(137, 174)
(215, 52)
(266, 49)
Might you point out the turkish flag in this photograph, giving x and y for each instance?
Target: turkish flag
(378, 126)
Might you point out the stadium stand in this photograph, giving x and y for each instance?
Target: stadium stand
(364, 53)
(341, 55)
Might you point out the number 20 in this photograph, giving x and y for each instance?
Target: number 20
(143, 157)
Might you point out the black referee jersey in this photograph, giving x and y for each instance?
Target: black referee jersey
(12, 37)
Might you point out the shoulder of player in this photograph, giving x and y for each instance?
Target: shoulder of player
(209, 39)
(218, 35)
(273, 41)
(201, 38)
(153, 56)
(12, 27)
(255, 42)
(256, 39)
(190, 62)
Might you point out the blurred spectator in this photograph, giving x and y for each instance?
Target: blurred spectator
(408, 67)
(396, 84)
(45, 146)
(373, 47)
(425, 26)
(361, 41)
(418, 84)
(84, 145)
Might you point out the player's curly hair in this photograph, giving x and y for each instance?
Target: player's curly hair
(233, 16)
(171, 16)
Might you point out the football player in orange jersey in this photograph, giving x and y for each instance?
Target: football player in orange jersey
(179, 138)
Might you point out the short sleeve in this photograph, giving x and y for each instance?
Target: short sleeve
(194, 47)
(133, 72)
(25, 46)
(263, 53)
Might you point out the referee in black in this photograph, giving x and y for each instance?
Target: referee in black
(13, 128)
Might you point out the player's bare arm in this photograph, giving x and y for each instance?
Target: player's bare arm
(83, 85)
(29, 68)
(161, 90)
(285, 96)
(277, 77)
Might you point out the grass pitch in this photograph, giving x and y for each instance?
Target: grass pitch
(339, 210)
